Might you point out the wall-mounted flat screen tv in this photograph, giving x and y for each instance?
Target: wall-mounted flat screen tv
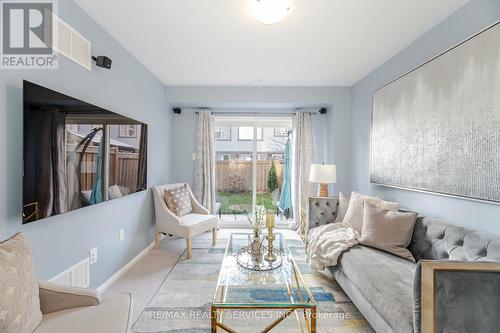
(77, 154)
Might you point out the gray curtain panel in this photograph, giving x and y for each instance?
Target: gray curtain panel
(52, 183)
(204, 175)
(303, 154)
(142, 169)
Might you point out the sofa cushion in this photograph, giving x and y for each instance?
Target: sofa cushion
(388, 230)
(19, 300)
(194, 224)
(178, 200)
(354, 215)
(385, 280)
(112, 315)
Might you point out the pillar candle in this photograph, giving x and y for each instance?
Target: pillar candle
(270, 220)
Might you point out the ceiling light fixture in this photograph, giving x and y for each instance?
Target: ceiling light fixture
(271, 11)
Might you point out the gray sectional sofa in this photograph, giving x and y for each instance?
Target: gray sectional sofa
(386, 288)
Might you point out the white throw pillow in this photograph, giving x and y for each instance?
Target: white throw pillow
(343, 205)
(86, 196)
(354, 215)
(114, 192)
(19, 298)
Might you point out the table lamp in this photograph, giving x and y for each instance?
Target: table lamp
(323, 174)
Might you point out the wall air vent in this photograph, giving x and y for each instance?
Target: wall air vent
(71, 44)
(76, 276)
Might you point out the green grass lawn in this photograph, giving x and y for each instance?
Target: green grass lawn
(228, 199)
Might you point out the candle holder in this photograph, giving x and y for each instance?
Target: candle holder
(270, 256)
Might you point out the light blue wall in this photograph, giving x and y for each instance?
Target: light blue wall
(133, 91)
(129, 89)
(331, 131)
(470, 19)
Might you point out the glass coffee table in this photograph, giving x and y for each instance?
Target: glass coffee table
(281, 290)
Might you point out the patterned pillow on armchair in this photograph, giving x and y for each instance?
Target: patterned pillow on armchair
(179, 200)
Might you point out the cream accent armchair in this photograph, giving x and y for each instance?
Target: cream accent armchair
(187, 226)
(28, 305)
(78, 310)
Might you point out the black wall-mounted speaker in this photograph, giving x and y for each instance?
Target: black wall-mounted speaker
(102, 61)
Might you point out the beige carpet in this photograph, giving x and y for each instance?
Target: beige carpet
(172, 294)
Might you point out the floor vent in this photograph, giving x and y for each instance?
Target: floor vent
(76, 276)
(70, 43)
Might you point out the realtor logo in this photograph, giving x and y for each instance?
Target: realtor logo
(27, 36)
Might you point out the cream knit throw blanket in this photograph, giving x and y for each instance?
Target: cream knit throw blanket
(327, 242)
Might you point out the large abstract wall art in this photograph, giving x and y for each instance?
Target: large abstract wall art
(437, 128)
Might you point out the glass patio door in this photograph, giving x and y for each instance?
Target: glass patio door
(249, 164)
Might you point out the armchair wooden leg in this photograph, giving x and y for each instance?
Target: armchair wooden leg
(214, 236)
(158, 240)
(189, 245)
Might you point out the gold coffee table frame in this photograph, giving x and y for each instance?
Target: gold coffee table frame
(288, 275)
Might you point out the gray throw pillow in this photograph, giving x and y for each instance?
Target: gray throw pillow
(343, 205)
(388, 230)
(19, 298)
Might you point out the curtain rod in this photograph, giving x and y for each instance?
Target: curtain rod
(263, 114)
(320, 111)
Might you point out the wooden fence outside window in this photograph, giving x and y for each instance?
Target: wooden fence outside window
(236, 175)
(122, 168)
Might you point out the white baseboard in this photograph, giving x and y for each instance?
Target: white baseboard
(113, 278)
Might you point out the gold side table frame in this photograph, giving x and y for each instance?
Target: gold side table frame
(304, 308)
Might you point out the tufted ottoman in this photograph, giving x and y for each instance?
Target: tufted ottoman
(322, 210)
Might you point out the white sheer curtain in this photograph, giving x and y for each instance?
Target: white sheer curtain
(204, 174)
(303, 154)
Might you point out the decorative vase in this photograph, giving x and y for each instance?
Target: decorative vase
(255, 247)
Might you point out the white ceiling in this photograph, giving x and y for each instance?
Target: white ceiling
(219, 43)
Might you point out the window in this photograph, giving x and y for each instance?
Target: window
(277, 157)
(246, 133)
(282, 131)
(127, 131)
(223, 133)
(223, 157)
(72, 127)
(124, 160)
(245, 157)
(248, 157)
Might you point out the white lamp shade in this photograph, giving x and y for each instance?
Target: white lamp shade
(323, 173)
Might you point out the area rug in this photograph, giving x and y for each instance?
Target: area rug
(182, 303)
